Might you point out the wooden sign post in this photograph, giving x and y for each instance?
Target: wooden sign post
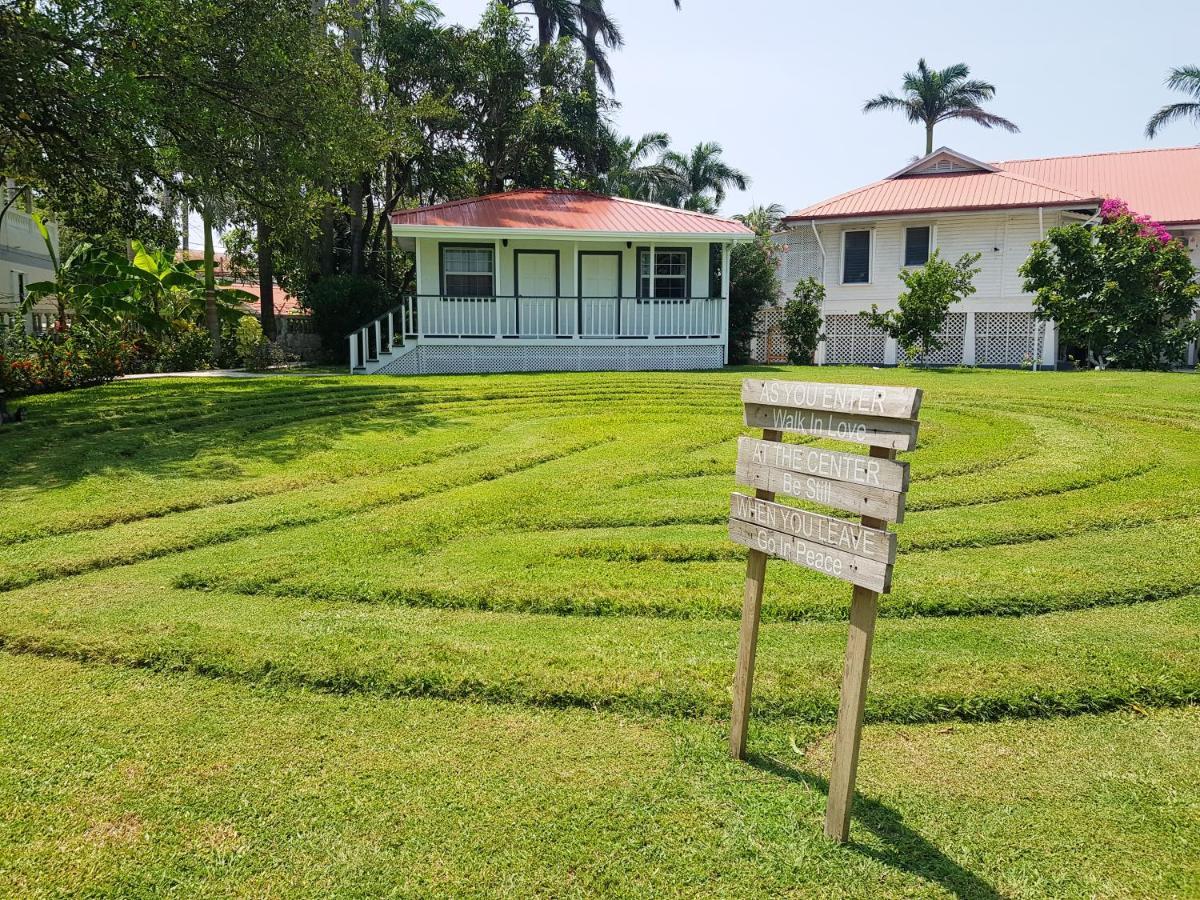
(862, 553)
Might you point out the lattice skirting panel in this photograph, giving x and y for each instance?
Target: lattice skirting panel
(475, 359)
(952, 336)
(1004, 338)
(849, 340)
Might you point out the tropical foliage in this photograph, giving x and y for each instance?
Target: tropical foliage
(753, 282)
(301, 126)
(1186, 80)
(930, 96)
(1124, 290)
(921, 308)
(801, 324)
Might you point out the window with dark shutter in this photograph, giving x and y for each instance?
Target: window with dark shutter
(916, 246)
(856, 257)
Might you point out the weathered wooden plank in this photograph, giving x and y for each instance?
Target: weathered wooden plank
(743, 676)
(858, 570)
(847, 738)
(856, 498)
(864, 608)
(851, 537)
(894, 434)
(833, 464)
(860, 399)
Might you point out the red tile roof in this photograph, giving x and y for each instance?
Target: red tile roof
(1164, 184)
(555, 210)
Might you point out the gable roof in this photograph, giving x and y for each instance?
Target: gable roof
(1164, 184)
(562, 212)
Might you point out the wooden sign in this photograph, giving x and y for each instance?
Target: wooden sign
(862, 553)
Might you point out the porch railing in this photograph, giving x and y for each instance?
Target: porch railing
(565, 318)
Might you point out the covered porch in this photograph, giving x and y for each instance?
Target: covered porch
(516, 282)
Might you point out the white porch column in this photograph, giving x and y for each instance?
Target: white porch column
(391, 331)
(1050, 345)
(378, 338)
(969, 340)
(725, 303)
(889, 351)
(353, 351)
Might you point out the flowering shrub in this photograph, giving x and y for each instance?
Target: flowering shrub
(60, 360)
(1114, 208)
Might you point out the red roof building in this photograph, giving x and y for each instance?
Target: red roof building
(858, 242)
(1163, 184)
(571, 213)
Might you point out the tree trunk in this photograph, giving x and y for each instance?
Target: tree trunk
(211, 319)
(266, 279)
(928, 138)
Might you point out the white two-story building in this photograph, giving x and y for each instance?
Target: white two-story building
(24, 260)
(857, 243)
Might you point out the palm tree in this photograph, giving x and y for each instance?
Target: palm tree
(585, 21)
(1185, 79)
(702, 177)
(762, 220)
(933, 97)
(631, 172)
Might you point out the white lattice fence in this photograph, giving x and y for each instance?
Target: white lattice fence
(952, 337)
(849, 340)
(1004, 338)
(769, 345)
(439, 360)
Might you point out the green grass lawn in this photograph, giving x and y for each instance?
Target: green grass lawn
(476, 635)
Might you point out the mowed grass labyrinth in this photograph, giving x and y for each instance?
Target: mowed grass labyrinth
(521, 588)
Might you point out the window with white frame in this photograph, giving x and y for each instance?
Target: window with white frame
(468, 271)
(917, 245)
(856, 257)
(664, 273)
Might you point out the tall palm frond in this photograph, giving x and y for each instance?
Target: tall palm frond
(930, 96)
(1185, 79)
(704, 177)
(762, 219)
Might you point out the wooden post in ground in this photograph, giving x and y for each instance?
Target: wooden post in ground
(864, 605)
(743, 676)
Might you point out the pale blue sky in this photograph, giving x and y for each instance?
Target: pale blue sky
(780, 83)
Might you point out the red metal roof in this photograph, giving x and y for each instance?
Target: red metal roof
(1164, 184)
(556, 210)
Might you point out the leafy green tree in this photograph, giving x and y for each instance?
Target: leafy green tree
(930, 96)
(701, 178)
(802, 320)
(1186, 80)
(929, 293)
(1124, 289)
(753, 282)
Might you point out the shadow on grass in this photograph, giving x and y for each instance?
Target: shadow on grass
(905, 848)
(202, 427)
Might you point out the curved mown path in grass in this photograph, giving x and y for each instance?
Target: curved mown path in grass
(559, 540)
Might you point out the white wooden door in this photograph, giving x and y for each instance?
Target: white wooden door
(537, 289)
(600, 288)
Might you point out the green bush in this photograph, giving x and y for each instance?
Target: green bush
(61, 360)
(248, 339)
(801, 324)
(753, 282)
(341, 303)
(186, 350)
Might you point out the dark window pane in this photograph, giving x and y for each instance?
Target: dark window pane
(916, 246)
(856, 265)
(468, 285)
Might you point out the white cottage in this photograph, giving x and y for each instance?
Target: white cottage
(549, 280)
(856, 243)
